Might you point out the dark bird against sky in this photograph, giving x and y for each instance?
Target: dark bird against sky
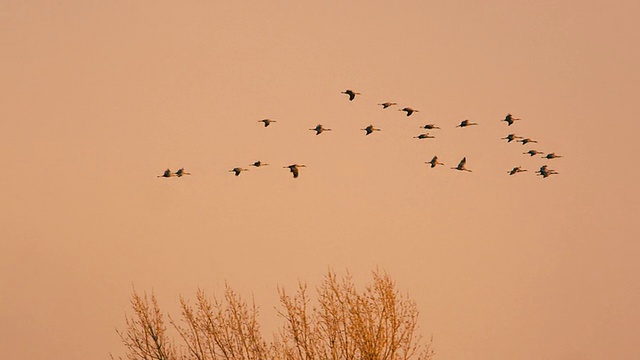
(167, 173)
(259, 163)
(266, 122)
(545, 171)
(511, 137)
(434, 161)
(510, 119)
(387, 104)
(319, 129)
(533, 152)
(352, 94)
(465, 123)
(369, 129)
(294, 168)
(552, 156)
(181, 172)
(525, 141)
(238, 170)
(516, 170)
(409, 110)
(461, 165)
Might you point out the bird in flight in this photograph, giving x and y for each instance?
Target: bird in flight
(551, 156)
(424, 136)
(319, 129)
(510, 119)
(294, 169)
(266, 122)
(181, 172)
(258, 164)
(516, 170)
(461, 165)
(167, 173)
(527, 140)
(387, 104)
(434, 162)
(511, 137)
(429, 127)
(238, 170)
(545, 171)
(352, 94)
(465, 123)
(409, 110)
(369, 129)
(533, 152)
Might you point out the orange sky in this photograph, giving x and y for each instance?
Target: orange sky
(99, 97)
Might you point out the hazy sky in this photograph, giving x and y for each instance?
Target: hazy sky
(99, 97)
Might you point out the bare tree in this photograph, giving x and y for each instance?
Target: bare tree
(145, 337)
(226, 329)
(378, 323)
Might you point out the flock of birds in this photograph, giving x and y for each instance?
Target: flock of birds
(544, 170)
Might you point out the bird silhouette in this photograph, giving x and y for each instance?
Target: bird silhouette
(387, 104)
(545, 171)
(525, 141)
(369, 129)
(294, 169)
(465, 123)
(266, 122)
(461, 165)
(511, 137)
(424, 136)
(552, 156)
(258, 164)
(516, 170)
(181, 172)
(238, 170)
(429, 127)
(510, 119)
(352, 94)
(319, 129)
(434, 162)
(409, 110)
(167, 173)
(533, 152)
